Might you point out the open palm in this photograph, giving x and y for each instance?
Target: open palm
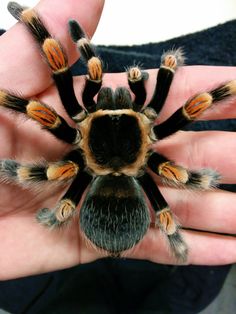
(29, 248)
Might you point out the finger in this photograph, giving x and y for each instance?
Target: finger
(192, 80)
(22, 67)
(35, 249)
(204, 248)
(212, 211)
(188, 81)
(191, 149)
(210, 249)
(205, 149)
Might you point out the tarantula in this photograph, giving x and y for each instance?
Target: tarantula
(111, 156)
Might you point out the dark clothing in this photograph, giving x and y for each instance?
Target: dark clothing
(130, 286)
(110, 286)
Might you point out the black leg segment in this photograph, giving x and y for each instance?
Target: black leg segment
(193, 109)
(53, 53)
(94, 80)
(136, 80)
(66, 208)
(170, 61)
(165, 219)
(46, 116)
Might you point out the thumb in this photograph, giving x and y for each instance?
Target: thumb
(21, 65)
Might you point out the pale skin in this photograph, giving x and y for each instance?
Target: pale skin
(27, 248)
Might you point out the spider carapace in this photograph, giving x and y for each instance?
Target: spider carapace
(112, 160)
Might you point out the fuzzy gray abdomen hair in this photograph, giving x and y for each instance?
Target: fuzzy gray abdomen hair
(114, 215)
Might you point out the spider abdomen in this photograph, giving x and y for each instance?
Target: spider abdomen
(114, 215)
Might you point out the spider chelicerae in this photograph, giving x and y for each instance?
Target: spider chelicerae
(111, 157)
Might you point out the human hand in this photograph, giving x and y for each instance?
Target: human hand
(210, 214)
(28, 248)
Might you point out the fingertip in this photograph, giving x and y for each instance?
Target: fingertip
(21, 63)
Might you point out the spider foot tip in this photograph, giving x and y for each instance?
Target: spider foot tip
(178, 247)
(47, 218)
(209, 179)
(15, 9)
(76, 32)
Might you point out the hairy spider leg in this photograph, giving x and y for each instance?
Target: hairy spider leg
(170, 61)
(164, 218)
(136, 80)
(69, 170)
(53, 53)
(60, 172)
(46, 116)
(178, 176)
(94, 80)
(66, 207)
(193, 109)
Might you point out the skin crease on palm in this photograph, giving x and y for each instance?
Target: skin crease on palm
(28, 248)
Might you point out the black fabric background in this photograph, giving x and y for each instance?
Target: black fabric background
(129, 286)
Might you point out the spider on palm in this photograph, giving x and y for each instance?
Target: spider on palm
(111, 156)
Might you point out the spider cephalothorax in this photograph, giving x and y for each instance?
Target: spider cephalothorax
(116, 141)
(111, 156)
